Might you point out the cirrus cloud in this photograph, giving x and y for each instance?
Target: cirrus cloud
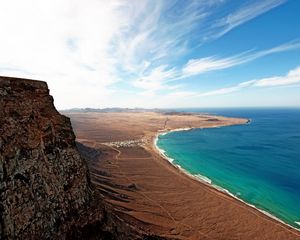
(292, 77)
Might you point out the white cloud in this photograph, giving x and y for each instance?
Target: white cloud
(292, 77)
(242, 15)
(227, 90)
(63, 42)
(78, 45)
(160, 77)
(180, 94)
(207, 64)
(155, 79)
(84, 48)
(159, 36)
(202, 65)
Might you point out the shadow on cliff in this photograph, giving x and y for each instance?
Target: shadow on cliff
(45, 185)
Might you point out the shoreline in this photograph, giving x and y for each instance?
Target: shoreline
(207, 181)
(154, 194)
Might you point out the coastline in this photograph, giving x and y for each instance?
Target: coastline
(207, 181)
(149, 191)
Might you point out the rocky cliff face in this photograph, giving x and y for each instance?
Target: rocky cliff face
(43, 180)
(45, 189)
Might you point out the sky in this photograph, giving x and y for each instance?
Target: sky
(155, 53)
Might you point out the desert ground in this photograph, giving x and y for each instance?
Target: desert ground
(145, 189)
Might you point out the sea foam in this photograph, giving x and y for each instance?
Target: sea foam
(208, 181)
(203, 178)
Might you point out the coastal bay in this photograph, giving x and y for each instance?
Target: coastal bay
(146, 189)
(257, 163)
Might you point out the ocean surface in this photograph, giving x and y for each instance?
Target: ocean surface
(258, 162)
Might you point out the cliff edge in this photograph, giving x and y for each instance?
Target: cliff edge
(45, 189)
(43, 180)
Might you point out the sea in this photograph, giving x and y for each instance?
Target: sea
(258, 162)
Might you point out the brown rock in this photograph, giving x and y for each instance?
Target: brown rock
(45, 189)
(43, 178)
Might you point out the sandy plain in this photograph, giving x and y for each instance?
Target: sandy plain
(145, 189)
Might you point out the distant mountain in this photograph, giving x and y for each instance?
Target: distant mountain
(85, 110)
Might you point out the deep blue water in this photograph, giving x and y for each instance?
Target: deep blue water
(258, 162)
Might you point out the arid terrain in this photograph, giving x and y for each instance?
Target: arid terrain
(147, 190)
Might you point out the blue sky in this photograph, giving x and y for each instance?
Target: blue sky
(156, 53)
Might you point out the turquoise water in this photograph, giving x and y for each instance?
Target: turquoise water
(258, 162)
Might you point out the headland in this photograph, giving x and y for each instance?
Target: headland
(149, 191)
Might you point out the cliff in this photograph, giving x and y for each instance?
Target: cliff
(45, 190)
(44, 181)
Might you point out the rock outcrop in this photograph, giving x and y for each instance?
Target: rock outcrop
(44, 182)
(45, 191)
